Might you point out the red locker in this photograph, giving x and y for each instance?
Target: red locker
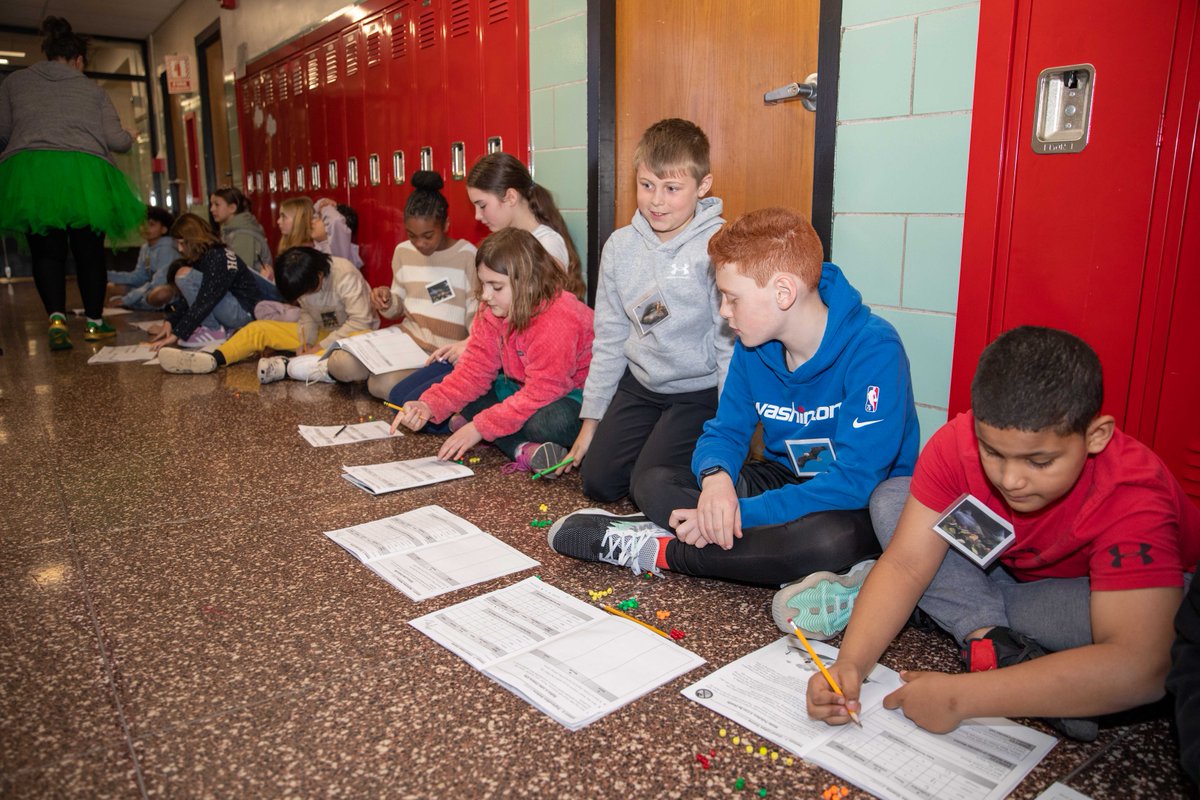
(464, 98)
(317, 150)
(297, 127)
(1071, 238)
(353, 89)
(334, 102)
(375, 231)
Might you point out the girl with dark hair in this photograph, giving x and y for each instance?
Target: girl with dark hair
(59, 186)
(433, 287)
(240, 231)
(520, 381)
(504, 195)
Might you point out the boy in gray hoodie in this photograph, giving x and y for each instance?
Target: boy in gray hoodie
(661, 347)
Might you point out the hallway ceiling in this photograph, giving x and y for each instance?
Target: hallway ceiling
(131, 19)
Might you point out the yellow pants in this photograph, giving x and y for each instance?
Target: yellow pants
(259, 335)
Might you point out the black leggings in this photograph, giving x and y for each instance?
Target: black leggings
(642, 429)
(49, 251)
(766, 555)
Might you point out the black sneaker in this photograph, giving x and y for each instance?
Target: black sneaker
(1003, 647)
(592, 534)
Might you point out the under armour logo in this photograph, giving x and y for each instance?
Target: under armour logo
(1143, 552)
(680, 269)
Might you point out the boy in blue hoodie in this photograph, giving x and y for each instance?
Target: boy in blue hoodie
(154, 259)
(828, 380)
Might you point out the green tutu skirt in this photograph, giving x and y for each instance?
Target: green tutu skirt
(45, 189)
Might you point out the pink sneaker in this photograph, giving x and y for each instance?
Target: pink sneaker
(535, 457)
(203, 336)
(457, 422)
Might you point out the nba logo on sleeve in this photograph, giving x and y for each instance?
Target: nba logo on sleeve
(872, 398)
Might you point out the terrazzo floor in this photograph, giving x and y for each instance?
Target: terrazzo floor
(176, 625)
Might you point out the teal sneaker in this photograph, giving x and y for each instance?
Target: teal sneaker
(821, 603)
(97, 332)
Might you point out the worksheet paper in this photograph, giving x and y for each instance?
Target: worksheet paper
(429, 551)
(572, 661)
(117, 354)
(396, 475)
(983, 759)
(1060, 791)
(382, 351)
(328, 435)
(108, 311)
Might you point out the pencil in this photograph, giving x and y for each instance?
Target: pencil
(393, 405)
(566, 460)
(612, 610)
(339, 432)
(817, 660)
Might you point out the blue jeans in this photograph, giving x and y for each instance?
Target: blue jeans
(963, 598)
(412, 387)
(268, 290)
(227, 313)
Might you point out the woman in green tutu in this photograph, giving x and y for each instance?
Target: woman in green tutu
(58, 183)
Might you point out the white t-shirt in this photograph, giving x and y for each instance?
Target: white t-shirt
(554, 244)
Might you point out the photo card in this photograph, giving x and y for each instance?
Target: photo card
(975, 530)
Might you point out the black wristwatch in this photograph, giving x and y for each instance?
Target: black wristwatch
(704, 473)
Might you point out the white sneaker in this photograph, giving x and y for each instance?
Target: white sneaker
(310, 369)
(204, 337)
(184, 362)
(272, 369)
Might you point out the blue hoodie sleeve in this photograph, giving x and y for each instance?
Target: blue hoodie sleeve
(867, 445)
(726, 437)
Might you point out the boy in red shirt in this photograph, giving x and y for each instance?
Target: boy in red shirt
(1074, 618)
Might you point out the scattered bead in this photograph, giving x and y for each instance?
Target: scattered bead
(762, 751)
(703, 759)
(737, 740)
(739, 784)
(473, 460)
(788, 761)
(663, 614)
(749, 748)
(543, 508)
(713, 752)
(721, 733)
(845, 790)
(774, 755)
(677, 634)
(370, 417)
(762, 792)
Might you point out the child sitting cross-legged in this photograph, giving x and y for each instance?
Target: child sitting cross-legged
(1074, 619)
(334, 301)
(829, 383)
(519, 382)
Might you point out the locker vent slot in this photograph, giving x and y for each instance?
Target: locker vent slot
(283, 85)
(351, 53)
(270, 89)
(374, 48)
(498, 11)
(460, 18)
(399, 34)
(330, 64)
(297, 78)
(314, 77)
(427, 29)
(257, 93)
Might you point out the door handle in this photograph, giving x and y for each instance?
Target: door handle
(807, 92)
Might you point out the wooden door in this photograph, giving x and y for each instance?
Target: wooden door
(711, 61)
(215, 107)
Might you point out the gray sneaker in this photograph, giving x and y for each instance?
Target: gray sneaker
(592, 534)
(186, 362)
(272, 369)
(821, 603)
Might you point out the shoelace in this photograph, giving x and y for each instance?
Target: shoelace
(629, 538)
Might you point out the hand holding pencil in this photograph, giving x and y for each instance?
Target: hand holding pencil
(826, 698)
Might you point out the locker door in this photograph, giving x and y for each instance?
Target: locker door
(335, 121)
(318, 148)
(432, 93)
(503, 29)
(464, 142)
(375, 233)
(351, 52)
(298, 128)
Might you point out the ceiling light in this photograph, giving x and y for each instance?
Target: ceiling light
(12, 53)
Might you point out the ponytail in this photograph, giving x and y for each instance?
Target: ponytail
(541, 203)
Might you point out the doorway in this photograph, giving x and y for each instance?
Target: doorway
(210, 67)
(712, 62)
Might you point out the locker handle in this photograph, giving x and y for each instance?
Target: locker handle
(807, 92)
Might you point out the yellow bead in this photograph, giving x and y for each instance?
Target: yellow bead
(737, 740)
(749, 748)
(762, 751)
(721, 733)
(774, 756)
(788, 761)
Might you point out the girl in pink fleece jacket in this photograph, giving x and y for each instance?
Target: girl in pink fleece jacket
(519, 383)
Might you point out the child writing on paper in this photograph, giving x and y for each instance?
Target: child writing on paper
(434, 288)
(661, 348)
(1074, 620)
(518, 382)
(334, 303)
(153, 260)
(828, 383)
(504, 195)
(220, 290)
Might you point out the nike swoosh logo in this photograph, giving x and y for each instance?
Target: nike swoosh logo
(858, 424)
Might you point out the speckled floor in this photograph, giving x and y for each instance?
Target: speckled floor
(175, 624)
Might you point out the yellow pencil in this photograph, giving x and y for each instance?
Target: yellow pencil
(393, 405)
(612, 610)
(817, 660)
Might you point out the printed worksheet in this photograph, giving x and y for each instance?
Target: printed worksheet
(384, 350)
(329, 435)
(572, 661)
(429, 551)
(983, 759)
(393, 476)
(124, 353)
